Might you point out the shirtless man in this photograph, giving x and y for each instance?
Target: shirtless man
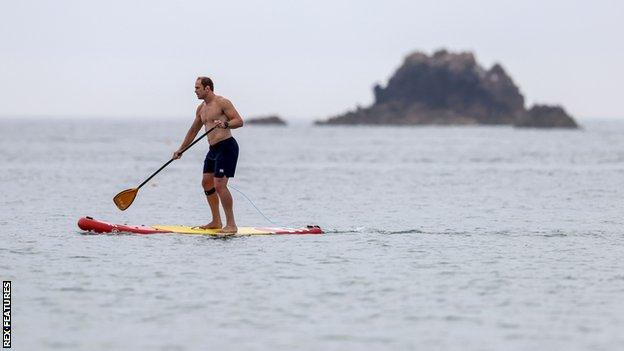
(220, 162)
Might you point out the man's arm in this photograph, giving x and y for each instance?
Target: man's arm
(190, 135)
(234, 118)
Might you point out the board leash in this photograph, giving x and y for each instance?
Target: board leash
(254, 205)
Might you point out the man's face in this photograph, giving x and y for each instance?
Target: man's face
(200, 91)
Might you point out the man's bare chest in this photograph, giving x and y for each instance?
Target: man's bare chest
(209, 113)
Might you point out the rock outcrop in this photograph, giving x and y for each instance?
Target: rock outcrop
(267, 120)
(449, 88)
(545, 116)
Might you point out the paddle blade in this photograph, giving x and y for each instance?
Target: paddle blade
(124, 199)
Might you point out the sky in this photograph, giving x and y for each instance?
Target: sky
(299, 59)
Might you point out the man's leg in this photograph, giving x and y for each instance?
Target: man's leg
(213, 201)
(227, 203)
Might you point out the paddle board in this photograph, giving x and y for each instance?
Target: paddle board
(97, 226)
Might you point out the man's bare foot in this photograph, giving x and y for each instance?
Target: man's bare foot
(211, 225)
(230, 229)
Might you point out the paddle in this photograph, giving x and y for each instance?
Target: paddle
(124, 199)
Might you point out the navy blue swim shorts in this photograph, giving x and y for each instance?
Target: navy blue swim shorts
(221, 158)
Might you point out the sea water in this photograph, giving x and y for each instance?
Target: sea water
(437, 238)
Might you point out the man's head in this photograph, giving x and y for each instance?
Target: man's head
(204, 87)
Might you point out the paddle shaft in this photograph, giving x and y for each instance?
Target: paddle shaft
(172, 159)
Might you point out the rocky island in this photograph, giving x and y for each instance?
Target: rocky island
(449, 89)
(266, 120)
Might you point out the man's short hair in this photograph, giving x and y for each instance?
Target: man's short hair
(206, 82)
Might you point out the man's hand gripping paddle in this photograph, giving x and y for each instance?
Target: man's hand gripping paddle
(124, 199)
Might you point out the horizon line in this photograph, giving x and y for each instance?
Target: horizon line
(172, 117)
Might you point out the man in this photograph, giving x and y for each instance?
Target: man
(220, 162)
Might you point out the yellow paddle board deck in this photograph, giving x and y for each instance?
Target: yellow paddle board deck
(242, 231)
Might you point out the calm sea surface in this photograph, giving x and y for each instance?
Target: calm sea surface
(438, 238)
